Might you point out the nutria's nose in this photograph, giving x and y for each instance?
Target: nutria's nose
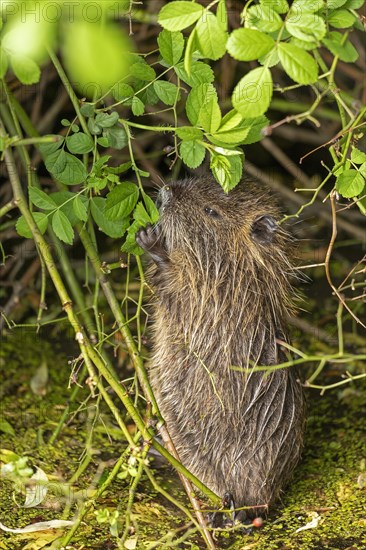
(164, 196)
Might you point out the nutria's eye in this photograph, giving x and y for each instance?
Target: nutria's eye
(211, 212)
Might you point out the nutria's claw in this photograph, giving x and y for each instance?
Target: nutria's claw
(149, 239)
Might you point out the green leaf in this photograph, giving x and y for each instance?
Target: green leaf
(79, 208)
(227, 170)
(350, 183)
(334, 4)
(62, 227)
(171, 46)
(221, 15)
(64, 201)
(357, 156)
(303, 44)
(211, 38)
(301, 6)
(189, 133)
(48, 148)
(3, 63)
(117, 137)
(256, 126)
(41, 199)
(195, 100)
(93, 127)
(6, 427)
(345, 51)
(210, 114)
(138, 108)
(111, 228)
(252, 95)
(121, 168)
(192, 152)
(151, 208)
(249, 44)
(141, 215)
(79, 143)
(280, 6)
(25, 69)
(306, 26)
(341, 19)
(232, 137)
(122, 91)
(23, 228)
(362, 169)
(105, 120)
(263, 18)
(121, 201)
(87, 109)
(177, 16)
(73, 173)
(130, 246)
(299, 65)
(167, 92)
(354, 4)
(142, 71)
(200, 73)
(56, 162)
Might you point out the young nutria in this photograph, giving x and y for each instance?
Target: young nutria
(220, 276)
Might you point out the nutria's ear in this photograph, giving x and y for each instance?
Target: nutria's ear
(263, 229)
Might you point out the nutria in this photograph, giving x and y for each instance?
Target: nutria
(220, 277)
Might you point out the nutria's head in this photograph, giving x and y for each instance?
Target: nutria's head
(198, 213)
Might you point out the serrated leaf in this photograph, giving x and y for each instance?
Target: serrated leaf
(113, 229)
(79, 143)
(357, 156)
(79, 208)
(142, 71)
(117, 137)
(263, 18)
(350, 183)
(141, 215)
(301, 6)
(74, 171)
(256, 126)
(41, 199)
(210, 114)
(23, 228)
(62, 227)
(249, 44)
(64, 200)
(177, 16)
(200, 73)
(197, 99)
(171, 45)
(280, 6)
(190, 48)
(226, 170)
(299, 65)
(341, 19)
(121, 201)
(25, 69)
(56, 162)
(87, 110)
(306, 27)
(93, 127)
(189, 132)
(121, 91)
(151, 208)
(167, 92)
(193, 153)
(105, 120)
(138, 108)
(130, 246)
(345, 51)
(252, 95)
(211, 38)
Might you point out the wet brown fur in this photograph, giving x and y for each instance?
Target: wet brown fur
(221, 298)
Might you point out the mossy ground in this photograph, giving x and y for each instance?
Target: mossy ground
(327, 484)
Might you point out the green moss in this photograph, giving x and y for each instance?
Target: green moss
(325, 482)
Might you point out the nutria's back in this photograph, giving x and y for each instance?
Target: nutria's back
(221, 298)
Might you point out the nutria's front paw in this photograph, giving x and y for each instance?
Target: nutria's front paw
(149, 239)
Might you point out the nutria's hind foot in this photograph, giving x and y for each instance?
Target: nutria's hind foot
(149, 239)
(221, 519)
